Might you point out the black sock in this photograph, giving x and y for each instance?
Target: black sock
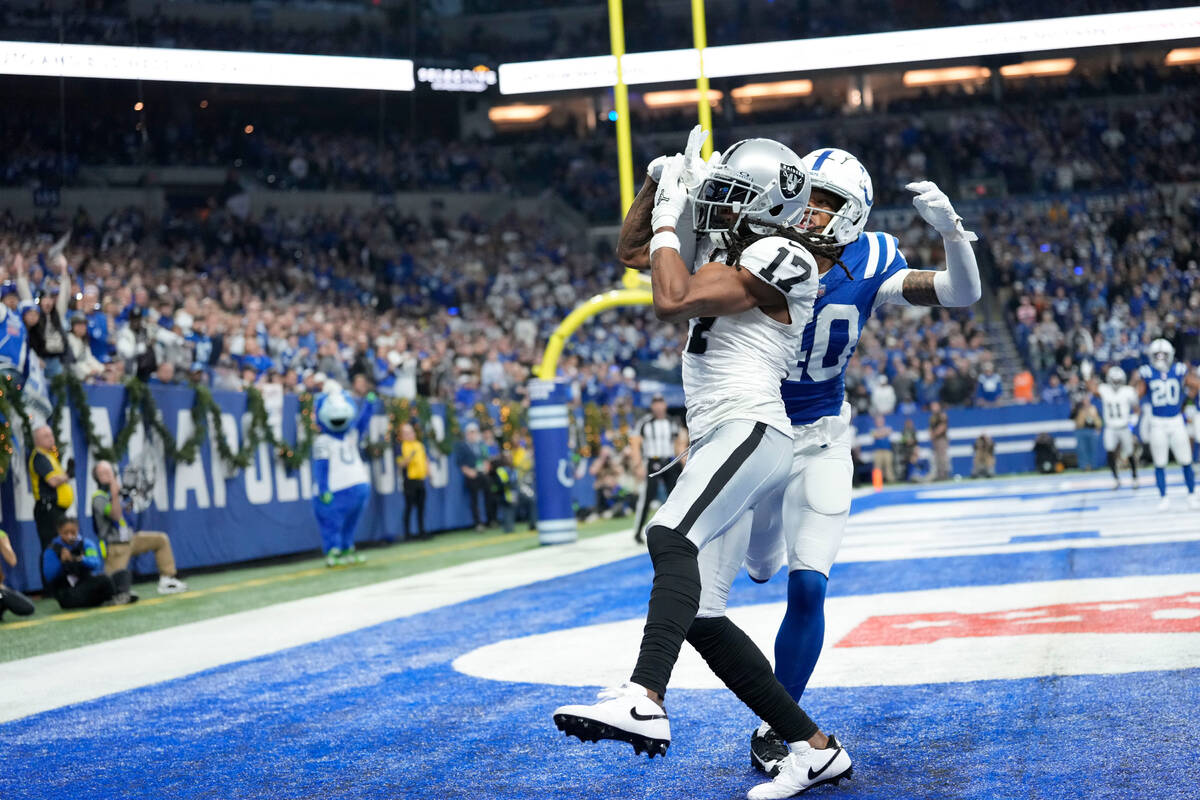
(674, 599)
(1112, 463)
(742, 667)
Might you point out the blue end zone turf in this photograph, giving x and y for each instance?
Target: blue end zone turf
(380, 713)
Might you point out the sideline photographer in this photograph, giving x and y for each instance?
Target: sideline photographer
(121, 543)
(73, 571)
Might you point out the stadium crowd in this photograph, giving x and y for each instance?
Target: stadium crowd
(1143, 131)
(1094, 281)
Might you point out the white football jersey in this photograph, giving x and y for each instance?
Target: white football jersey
(1117, 405)
(733, 365)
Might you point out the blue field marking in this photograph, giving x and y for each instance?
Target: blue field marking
(1051, 537)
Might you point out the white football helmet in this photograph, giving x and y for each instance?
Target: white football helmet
(841, 174)
(756, 181)
(1161, 353)
(1115, 376)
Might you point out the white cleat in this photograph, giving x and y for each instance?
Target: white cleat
(1164, 504)
(171, 585)
(803, 769)
(624, 714)
(1193, 502)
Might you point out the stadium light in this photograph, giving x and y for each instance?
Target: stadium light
(1040, 69)
(1183, 55)
(935, 77)
(860, 50)
(204, 66)
(756, 91)
(679, 97)
(517, 113)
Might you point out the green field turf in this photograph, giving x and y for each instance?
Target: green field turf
(240, 589)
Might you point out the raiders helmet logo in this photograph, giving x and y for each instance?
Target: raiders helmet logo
(791, 181)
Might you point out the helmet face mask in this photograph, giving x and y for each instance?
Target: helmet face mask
(758, 186)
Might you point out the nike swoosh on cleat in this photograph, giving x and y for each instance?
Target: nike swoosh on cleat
(644, 717)
(813, 775)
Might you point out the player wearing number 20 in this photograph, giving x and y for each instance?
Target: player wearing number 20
(1162, 385)
(815, 502)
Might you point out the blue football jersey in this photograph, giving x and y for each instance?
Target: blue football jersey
(1164, 389)
(816, 385)
(14, 343)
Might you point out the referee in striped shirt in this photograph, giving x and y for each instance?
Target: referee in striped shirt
(657, 439)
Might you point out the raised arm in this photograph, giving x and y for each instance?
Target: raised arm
(633, 244)
(958, 284)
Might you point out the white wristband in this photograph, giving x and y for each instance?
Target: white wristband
(664, 239)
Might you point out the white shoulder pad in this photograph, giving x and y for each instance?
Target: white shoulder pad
(784, 264)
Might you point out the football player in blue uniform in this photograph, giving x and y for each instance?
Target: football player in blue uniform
(1164, 385)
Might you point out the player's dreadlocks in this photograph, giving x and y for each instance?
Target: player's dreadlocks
(814, 243)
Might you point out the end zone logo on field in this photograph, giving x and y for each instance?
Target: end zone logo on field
(1013, 631)
(1176, 614)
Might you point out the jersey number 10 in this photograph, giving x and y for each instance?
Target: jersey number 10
(813, 361)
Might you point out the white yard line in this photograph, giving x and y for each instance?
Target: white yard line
(49, 681)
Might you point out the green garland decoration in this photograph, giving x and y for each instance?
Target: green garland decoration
(593, 429)
(206, 424)
(12, 406)
(140, 405)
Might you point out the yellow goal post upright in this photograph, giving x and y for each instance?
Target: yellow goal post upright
(548, 413)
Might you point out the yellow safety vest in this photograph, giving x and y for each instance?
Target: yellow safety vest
(65, 492)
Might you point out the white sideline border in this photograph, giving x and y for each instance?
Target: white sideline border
(45, 682)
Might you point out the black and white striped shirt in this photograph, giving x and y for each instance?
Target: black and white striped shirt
(658, 436)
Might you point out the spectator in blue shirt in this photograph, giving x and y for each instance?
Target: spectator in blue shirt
(97, 324)
(254, 359)
(989, 386)
(1054, 392)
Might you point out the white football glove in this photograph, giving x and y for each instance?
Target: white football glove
(671, 195)
(655, 168)
(934, 207)
(695, 169)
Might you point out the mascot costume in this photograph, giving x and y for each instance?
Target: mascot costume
(342, 480)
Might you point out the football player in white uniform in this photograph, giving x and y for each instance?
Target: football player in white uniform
(1119, 409)
(1164, 385)
(748, 305)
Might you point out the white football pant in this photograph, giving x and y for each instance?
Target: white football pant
(1122, 437)
(801, 524)
(1169, 435)
(732, 469)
